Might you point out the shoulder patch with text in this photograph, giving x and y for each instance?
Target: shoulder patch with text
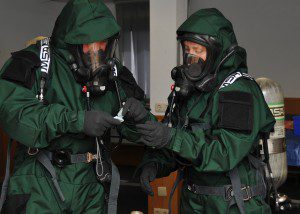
(233, 77)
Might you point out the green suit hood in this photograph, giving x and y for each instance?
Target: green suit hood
(213, 23)
(83, 22)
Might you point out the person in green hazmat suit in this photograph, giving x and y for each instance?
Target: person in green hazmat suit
(56, 97)
(211, 131)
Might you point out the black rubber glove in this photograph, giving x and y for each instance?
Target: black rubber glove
(148, 174)
(134, 109)
(154, 134)
(96, 123)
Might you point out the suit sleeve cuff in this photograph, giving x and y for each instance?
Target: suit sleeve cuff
(75, 121)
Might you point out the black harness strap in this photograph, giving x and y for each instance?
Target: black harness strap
(45, 161)
(226, 191)
(259, 166)
(114, 190)
(237, 193)
(179, 177)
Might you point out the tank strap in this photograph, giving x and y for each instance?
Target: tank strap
(45, 66)
(237, 191)
(237, 187)
(259, 166)
(179, 177)
(45, 55)
(265, 136)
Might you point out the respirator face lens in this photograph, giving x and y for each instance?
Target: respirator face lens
(193, 52)
(94, 55)
(190, 59)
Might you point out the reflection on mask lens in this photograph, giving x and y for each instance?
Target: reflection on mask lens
(94, 55)
(190, 58)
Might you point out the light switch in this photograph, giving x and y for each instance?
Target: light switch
(161, 107)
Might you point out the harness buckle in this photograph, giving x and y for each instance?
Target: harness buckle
(32, 151)
(228, 193)
(90, 157)
(61, 158)
(248, 193)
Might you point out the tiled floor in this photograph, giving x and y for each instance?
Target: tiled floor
(292, 188)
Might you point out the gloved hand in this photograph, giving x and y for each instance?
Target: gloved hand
(96, 123)
(134, 109)
(148, 174)
(154, 134)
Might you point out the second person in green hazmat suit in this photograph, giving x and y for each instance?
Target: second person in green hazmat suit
(45, 107)
(217, 114)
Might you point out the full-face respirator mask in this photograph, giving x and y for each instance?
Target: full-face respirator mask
(93, 64)
(195, 73)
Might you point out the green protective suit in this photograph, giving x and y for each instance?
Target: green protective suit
(59, 124)
(213, 152)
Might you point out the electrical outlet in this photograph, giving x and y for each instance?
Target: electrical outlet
(161, 107)
(161, 211)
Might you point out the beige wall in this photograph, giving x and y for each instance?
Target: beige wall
(23, 20)
(165, 17)
(269, 30)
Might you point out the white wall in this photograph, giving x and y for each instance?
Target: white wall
(22, 20)
(270, 32)
(165, 17)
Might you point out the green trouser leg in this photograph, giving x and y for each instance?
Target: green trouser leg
(31, 194)
(88, 198)
(193, 203)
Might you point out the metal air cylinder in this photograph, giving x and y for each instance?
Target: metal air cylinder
(276, 144)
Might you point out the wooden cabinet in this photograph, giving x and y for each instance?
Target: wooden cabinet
(3, 150)
(162, 202)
